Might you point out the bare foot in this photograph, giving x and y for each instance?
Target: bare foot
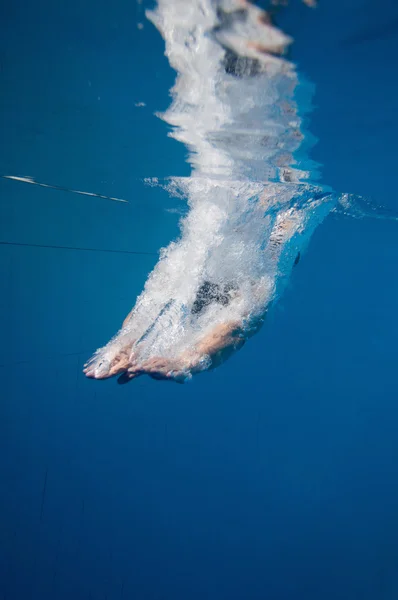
(113, 359)
(160, 368)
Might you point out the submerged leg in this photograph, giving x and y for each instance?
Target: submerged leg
(208, 352)
(114, 358)
(287, 225)
(110, 360)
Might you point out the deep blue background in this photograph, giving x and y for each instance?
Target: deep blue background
(273, 477)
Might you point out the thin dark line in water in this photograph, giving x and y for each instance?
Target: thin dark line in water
(5, 243)
(62, 188)
(43, 494)
(380, 31)
(81, 526)
(39, 359)
(34, 569)
(77, 379)
(55, 569)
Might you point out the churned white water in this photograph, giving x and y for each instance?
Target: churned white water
(251, 207)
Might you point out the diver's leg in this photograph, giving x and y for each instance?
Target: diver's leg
(112, 359)
(216, 345)
(108, 361)
(127, 319)
(287, 224)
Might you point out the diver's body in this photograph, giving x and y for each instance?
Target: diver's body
(128, 358)
(218, 343)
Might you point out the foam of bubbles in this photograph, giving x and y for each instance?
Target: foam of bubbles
(250, 206)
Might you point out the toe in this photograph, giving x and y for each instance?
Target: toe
(98, 370)
(118, 367)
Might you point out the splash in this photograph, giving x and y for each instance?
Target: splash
(252, 205)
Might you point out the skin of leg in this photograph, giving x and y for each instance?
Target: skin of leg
(226, 336)
(223, 336)
(119, 363)
(127, 319)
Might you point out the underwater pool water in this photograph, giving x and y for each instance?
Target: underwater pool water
(273, 476)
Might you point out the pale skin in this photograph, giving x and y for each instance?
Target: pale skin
(207, 353)
(223, 337)
(217, 344)
(265, 18)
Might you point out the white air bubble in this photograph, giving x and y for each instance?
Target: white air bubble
(249, 211)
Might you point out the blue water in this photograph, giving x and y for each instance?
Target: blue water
(272, 477)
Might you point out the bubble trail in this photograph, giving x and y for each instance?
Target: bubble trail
(252, 199)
